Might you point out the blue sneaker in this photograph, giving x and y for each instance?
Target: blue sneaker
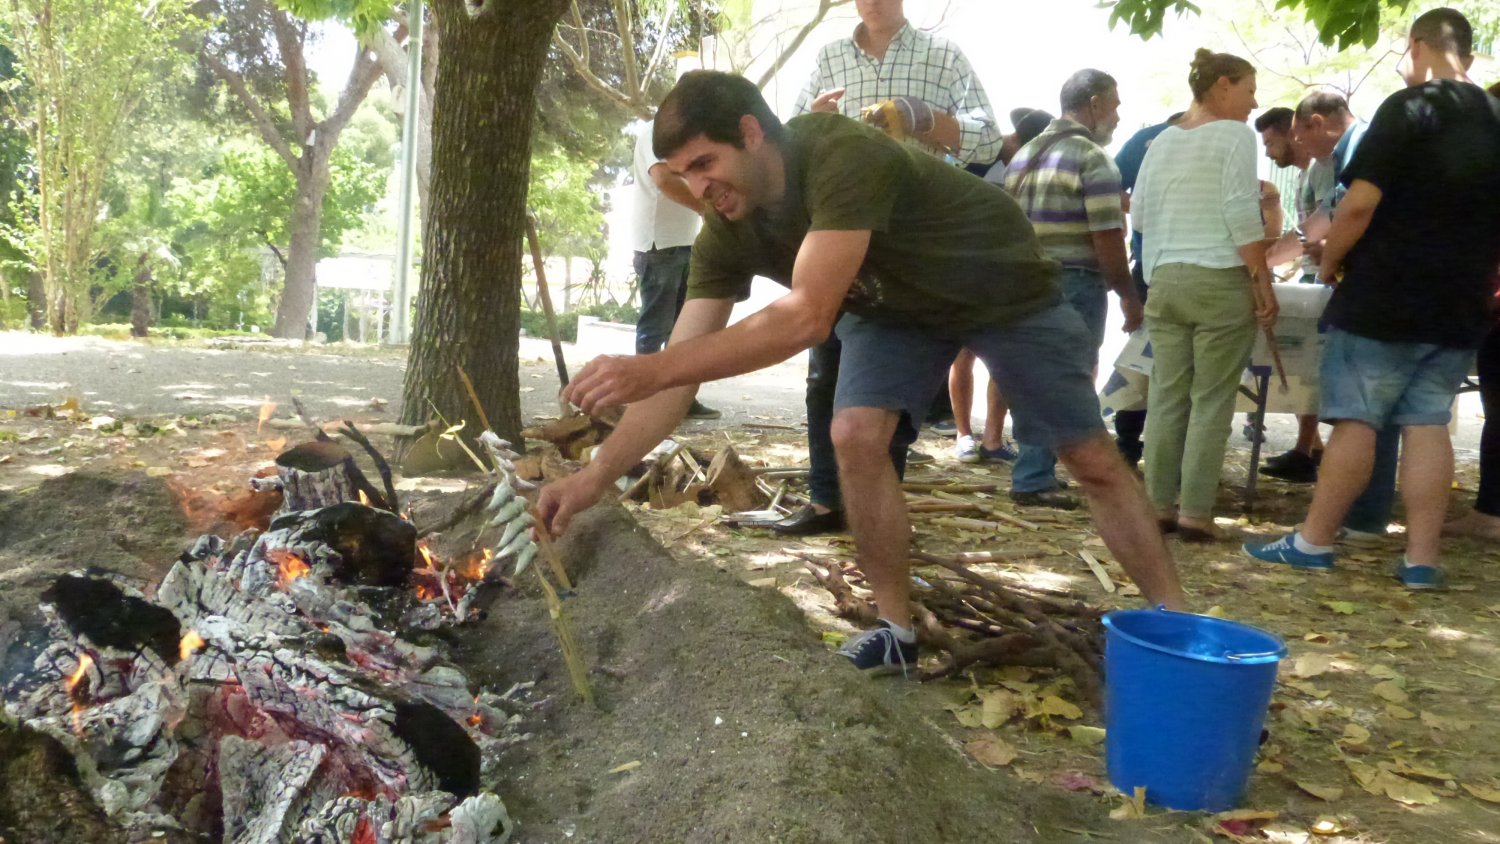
(1421, 578)
(1006, 453)
(1283, 551)
(878, 651)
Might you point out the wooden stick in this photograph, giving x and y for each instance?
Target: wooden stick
(473, 397)
(924, 486)
(541, 292)
(1276, 357)
(549, 551)
(1098, 570)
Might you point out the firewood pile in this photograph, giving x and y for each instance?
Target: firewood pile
(275, 687)
(977, 620)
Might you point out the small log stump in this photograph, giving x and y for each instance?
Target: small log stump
(320, 474)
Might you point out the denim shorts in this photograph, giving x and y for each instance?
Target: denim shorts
(1380, 383)
(1043, 364)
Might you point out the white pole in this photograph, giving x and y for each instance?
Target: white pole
(401, 306)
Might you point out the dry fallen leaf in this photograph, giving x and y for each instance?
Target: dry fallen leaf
(1406, 791)
(1322, 792)
(1311, 665)
(1326, 826)
(1391, 691)
(1086, 735)
(1444, 722)
(991, 752)
(1054, 705)
(998, 707)
(1133, 808)
(1400, 713)
(628, 766)
(1394, 644)
(1269, 767)
(1488, 795)
(1341, 607)
(1354, 734)
(1384, 672)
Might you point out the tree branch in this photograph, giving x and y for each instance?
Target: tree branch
(391, 55)
(289, 43)
(364, 73)
(262, 120)
(824, 6)
(628, 61)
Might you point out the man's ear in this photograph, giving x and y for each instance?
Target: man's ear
(751, 133)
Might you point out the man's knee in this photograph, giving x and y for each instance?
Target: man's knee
(1094, 461)
(862, 434)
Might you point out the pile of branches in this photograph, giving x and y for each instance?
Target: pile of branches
(977, 620)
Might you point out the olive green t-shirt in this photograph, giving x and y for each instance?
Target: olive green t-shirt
(948, 252)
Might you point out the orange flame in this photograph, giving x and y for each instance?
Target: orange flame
(426, 556)
(428, 593)
(289, 568)
(364, 499)
(265, 413)
(190, 644)
(475, 720)
(85, 662)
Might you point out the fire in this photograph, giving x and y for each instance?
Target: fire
(475, 720)
(428, 593)
(290, 567)
(265, 413)
(426, 556)
(364, 499)
(85, 662)
(190, 644)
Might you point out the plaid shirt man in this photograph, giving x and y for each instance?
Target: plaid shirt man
(1072, 191)
(916, 64)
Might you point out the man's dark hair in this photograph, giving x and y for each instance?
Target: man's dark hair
(1326, 103)
(1083, 86)
(1445, 29)
(1278, 118)
(1029, 123)
(710, 103)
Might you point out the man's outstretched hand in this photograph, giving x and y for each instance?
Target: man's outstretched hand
(613, 380)
(561, 500)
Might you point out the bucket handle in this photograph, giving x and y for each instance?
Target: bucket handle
(1261, 655)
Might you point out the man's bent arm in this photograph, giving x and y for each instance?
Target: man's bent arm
(825, 269)
(1349, 223)
(646, 423)
(675, 188)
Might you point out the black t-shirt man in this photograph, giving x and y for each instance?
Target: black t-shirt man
(1423, 271)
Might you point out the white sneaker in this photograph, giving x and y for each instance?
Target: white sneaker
(966, 450)
(1360, 538)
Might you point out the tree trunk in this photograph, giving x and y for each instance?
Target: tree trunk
(140, 300)
(484, 110)
(302, 252)
(36, 299)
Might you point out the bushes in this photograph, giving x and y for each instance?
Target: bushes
(534, 323)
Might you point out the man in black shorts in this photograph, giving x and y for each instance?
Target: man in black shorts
(913, 259)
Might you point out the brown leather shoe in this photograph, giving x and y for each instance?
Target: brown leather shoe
(808, 521)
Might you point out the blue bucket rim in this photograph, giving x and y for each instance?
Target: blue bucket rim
(1248, 659)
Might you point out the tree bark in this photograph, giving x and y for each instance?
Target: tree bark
(36, 299)
(306, 229)
(140, 299)
(484, 110)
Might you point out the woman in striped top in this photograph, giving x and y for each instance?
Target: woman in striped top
(1197, 201)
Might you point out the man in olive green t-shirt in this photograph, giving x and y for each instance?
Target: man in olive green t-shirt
(913, 259)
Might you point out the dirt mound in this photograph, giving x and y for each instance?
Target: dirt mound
(744, 726)
(125, 522)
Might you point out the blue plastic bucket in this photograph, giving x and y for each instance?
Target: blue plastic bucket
(1185, 697)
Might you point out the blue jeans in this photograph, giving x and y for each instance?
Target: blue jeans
(663, 274)
(1083, 290)
(823, 467)
(1371, 511)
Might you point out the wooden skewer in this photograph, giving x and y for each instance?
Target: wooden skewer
(1276, 357)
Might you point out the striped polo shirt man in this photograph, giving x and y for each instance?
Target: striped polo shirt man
(1071, 190)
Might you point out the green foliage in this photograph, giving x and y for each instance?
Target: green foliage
(363, 16)
(534, 323)
(1339, 23)
(570, 217)
(87, 71)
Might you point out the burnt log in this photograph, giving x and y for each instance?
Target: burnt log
(97, 608)
(320, 474)
(374, 547)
